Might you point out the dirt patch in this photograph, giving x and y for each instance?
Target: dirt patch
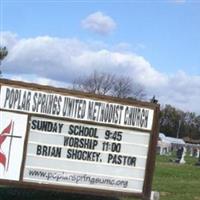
(164, 194)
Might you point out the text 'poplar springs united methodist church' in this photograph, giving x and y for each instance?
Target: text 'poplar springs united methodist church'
(76, 108)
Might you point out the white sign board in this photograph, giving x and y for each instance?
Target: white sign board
(69, 140)
(71, 107)
(66, 153)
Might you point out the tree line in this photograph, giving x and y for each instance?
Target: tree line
(180, 124)
(104, 83)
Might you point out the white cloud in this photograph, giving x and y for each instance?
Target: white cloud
(57, 62)
(182, 90)
(180, 1)
(38, 79)
(63, 59)
(99, 23)
(8, 39)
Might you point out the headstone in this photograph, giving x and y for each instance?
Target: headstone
(194, 152)
(182, 161)
(198, 163)
(162, 151)
(158, 150)
(198, 153)
(181, 155)
(199, 158)
(191, 151)
(155, 195)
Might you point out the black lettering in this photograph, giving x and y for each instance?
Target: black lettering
(60, 126)
(76, 142)
(34, 124)
(34, 102)
(71, 129)
(39, 147)
(78, 130)
(110, 158)
(121, 160)
(17, 94)
(47, 126)
(76, 154)
(136, 117)
(7, 96)
(49, 151)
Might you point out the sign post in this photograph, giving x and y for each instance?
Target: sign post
(78, 142)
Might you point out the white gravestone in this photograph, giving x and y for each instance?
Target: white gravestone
(198, 153)
(191, 151)
(182, 160)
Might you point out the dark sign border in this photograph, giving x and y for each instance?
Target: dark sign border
(150, 164)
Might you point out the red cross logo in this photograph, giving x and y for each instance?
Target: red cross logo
(6, 133)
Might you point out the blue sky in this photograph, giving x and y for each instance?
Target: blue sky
(165, 30)
(165, 34)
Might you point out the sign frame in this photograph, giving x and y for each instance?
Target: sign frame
(151, 155)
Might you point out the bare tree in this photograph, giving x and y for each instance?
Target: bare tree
(97, 83)
(123, 87)
(109, 84)
(138, 91)
(3, 54)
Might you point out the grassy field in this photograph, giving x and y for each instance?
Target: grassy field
(173, 181)
(177, 182)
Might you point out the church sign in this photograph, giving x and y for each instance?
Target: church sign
(61, 139)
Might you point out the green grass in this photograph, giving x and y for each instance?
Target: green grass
(177, 181)
(173, 181)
